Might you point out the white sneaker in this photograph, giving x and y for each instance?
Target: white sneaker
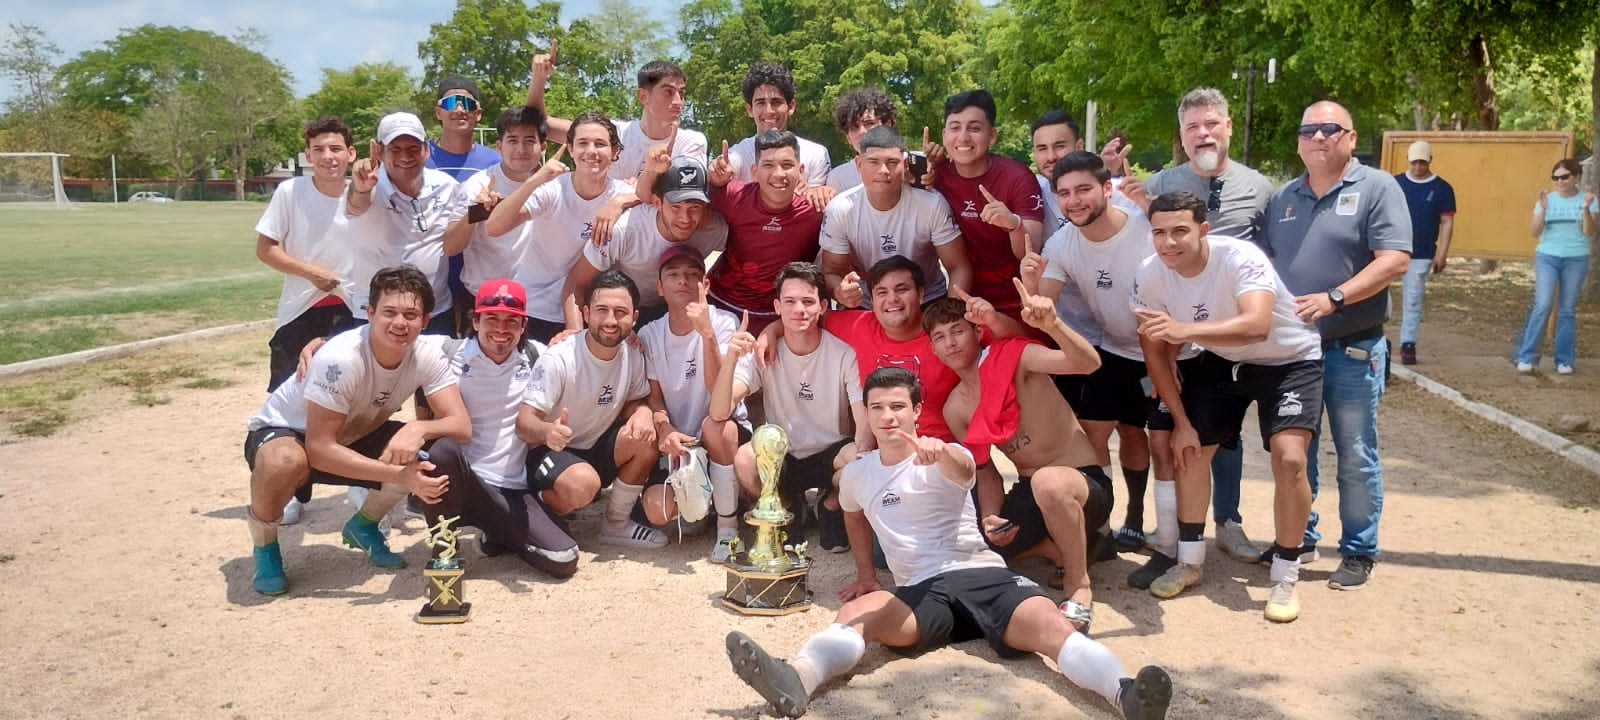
(1232, 540)
(632, 534)
(1524, 368)
(1563, 369)
(291, 511)
(723, 547)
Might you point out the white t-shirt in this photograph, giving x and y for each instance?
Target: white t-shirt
(562, 223)
(592, 390)
(489, 258)
(677, 364)
(1103, 273)
(1234, 268)
(809, 395)
(636, 246)
(636, 145)
(844, 176)
(813, 157)
(493, 394)
(345, 378)
(923, 519)
(310, 227)
(417, 225)
(915, 227)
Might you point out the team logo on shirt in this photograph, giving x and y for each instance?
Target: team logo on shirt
(805, 392)
(1201, 313)
(382, 399)
(889, 500)
(522, 372)
(773, 226)
(1288, 214)
(1038, 201)
(1103, 282)
(608, 395)
(1347, 203)
(690, 369)
(1289, 405)
(1252, 271)
(886, 243)
(588, 228)
(969, 209)
(329, 380)
(466, 368)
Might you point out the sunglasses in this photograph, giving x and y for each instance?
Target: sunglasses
(1328, 129)
(458, 102)
(416, 212)
(501, 301)
(1563, 176)
(1214, 203)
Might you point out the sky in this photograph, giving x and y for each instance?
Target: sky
(303, 35)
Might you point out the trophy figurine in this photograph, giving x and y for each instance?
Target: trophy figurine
(768, 578)
(446, 595)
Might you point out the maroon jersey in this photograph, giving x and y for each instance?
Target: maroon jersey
(993, 263)
(760, 243)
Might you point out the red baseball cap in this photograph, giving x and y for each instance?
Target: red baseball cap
(681, 250)
(505, 296)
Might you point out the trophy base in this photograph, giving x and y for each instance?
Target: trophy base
(429, 616)
(755, 591)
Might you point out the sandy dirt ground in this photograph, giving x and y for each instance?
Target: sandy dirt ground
(125, 583)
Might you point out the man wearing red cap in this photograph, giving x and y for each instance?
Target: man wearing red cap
(489, 488)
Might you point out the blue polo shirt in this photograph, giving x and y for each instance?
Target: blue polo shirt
(462, 165)
(1429, 201)
(1319, 242)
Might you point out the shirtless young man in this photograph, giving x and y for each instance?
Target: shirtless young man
(1061, 494)
(915, 493)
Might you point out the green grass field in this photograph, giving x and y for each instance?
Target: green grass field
(97, 274)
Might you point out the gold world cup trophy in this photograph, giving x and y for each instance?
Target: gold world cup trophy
(446, 595)
(769, 578)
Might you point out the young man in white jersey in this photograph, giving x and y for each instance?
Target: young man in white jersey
(489, 475)
(562, 206)
(418, 202)
(884, 216)
(915, 493)
(1222, 293)
(768, 89)
(585, 409)
(332, 426)
(683, 356)
(811, 389)
(678, 213)
(854, 113)
(521, 133)
(1097, 253)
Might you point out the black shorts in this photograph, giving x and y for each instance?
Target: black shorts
(1159, 417)
(371, 446)
(1115, 392)
(544, 466)
(1071, 389)
(1021, 508)
(1287, 397)
(968, 604)
(287, 342)
(815, 472)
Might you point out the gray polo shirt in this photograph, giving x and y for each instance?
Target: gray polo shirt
(1244, 196)
(1318, 243)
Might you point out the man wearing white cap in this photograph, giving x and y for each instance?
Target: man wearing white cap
(1433, 213)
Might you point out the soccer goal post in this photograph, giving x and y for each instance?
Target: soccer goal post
(32, 177)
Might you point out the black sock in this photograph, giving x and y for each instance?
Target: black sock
(1191, 532)
(1286, 553)
(1137, 481)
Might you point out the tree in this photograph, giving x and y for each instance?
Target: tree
(361, 95)
(28, 60)
(491, 42)
(600, 56)
(246, 96)
(171, 128)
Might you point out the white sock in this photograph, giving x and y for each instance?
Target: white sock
(623, 496)
(827, 655)
(1192, 552)
(1166, 492)
(1091, 666)
(724, 495)
(1285, 570)
(262, 533)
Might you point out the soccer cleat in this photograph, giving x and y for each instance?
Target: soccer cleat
(1130, 539)
(1235, 544)
(1524, 367)
(488, 546)
(632, 534)
(1408, 353)
(833, 537)
(269, 578)
(1353, 573)
(1146, 695)
(1155, 567)
(1174, 581)
(1283, 605)
(773, 678)
(292, 511)
(365, 535)
(723, 549)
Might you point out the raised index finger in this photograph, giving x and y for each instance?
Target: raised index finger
(908, 437)
(554, 44)
(672, 138)
(1022, 291)
(925, 137)
(744, 322)
(559, 152)
(986, 194)
(724, 148)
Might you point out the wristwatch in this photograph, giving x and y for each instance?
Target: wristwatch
(1337, 297)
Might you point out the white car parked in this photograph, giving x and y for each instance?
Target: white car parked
(149, 196)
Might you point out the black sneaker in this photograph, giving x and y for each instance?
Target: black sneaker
(1155, 567)
(1147, 695)
(1408, 353)
(1352, 573)
(488, 546)
(831, 530)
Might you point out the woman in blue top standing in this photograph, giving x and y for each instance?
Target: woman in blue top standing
(1562, 220)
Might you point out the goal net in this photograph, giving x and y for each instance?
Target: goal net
(32, 177)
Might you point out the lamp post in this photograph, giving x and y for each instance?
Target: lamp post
(1250, 97)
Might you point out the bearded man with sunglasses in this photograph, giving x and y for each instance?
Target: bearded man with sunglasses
(1339, 235)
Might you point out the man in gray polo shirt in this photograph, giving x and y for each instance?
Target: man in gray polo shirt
(1339, 234)
(1236, 201)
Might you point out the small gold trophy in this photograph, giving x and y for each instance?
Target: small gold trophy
(768, 578)
(446, 595)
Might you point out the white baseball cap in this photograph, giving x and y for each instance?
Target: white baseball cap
(396, 124)
(1420, 150)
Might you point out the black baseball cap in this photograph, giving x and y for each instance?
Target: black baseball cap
(685, 180)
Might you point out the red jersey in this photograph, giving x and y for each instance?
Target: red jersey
(875, 349)
(988, 246)
(760, 243)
